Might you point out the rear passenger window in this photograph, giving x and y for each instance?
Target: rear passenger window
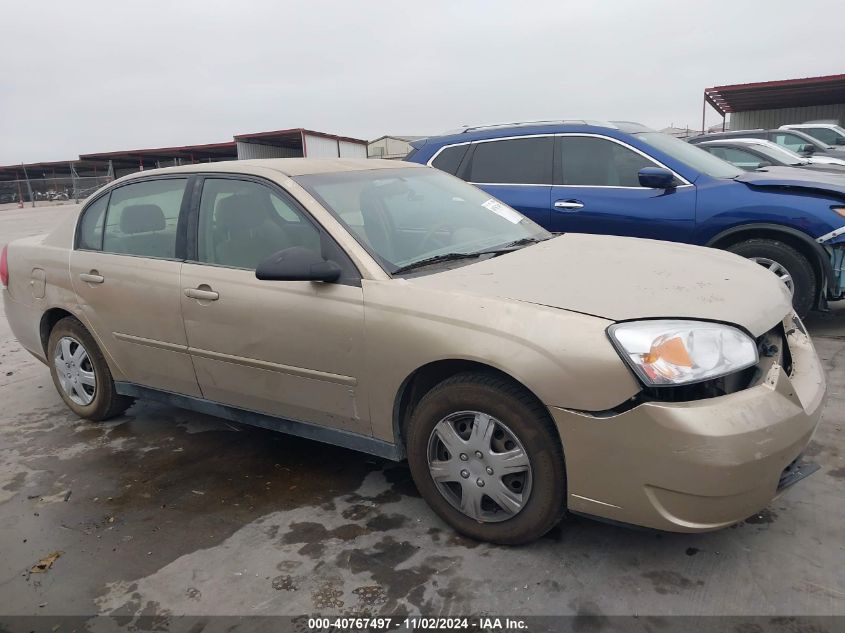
(449, 158)
(142, 218)
(526, 161)
(589, 161)
(91, 226)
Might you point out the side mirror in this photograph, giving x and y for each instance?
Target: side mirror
(656, 178)
(297, 264)
(764, 163)
(807, 149)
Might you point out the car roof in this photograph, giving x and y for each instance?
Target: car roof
(525, 128)
(791, 126)
(741, 141)
(285, 166)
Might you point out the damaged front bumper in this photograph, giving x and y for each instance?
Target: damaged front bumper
(700, 465)
(833, 245)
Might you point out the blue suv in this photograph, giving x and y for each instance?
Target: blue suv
(625, 179)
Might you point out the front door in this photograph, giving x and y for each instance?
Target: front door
(597, 190)
(292, 349)
(125, 271)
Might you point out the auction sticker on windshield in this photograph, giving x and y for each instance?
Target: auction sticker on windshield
(499, 209)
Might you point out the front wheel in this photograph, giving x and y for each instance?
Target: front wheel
(791, 267)
(486, 457)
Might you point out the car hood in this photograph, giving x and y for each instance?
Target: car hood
(620, 278)
(826, 160)
(792, 178)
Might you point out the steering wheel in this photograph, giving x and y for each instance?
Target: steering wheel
(429, 235)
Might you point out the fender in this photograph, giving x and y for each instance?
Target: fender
(822, 258)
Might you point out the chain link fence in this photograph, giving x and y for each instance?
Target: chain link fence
(35, 191)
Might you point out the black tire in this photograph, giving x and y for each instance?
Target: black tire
(796, 264)
(106, 403)
(527, 419)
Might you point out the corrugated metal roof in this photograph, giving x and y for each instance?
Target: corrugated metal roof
(787, 93)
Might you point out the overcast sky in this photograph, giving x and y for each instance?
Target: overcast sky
(90, 76)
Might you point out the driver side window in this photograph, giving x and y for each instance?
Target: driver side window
(241, 223)
(588, 161)
(790, 141)
(739, 157)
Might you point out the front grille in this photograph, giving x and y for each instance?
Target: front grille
(774, 344)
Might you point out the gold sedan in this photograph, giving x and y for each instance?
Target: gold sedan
(396, 310)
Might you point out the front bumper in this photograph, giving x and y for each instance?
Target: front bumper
(695, 466)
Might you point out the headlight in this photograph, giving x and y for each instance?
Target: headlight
(664, 352)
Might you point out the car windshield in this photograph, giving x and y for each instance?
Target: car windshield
(695, 157)
(408, 217)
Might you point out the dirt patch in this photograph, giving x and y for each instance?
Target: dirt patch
(670, 582)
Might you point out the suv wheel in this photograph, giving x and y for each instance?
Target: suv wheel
(791, 267)
(486, 457)
(81, 374)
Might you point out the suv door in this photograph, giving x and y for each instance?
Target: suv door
(292, 349)
(515, 170)
(597, 190)
(125, 270)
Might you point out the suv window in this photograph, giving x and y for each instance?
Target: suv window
(449, 159)
(242, 223)
(598, 162)
(142, 218)
(526, 161)
(824, 134)
(91, 226)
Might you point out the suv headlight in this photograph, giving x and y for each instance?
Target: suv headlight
(675, 352)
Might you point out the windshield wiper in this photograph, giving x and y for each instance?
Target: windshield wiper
(448, 257)
(436, 259)
(512, 246)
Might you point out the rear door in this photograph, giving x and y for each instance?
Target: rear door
(517, 171)
(597, 190)
(125, 270)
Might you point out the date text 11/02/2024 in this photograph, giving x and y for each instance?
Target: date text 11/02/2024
(414, 624)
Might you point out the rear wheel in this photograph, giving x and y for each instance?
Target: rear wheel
(791, 267)
(81, 374)
(486, 457)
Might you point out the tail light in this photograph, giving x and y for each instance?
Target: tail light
(4, 267)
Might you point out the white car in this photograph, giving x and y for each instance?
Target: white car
(830, 133)
(780, 154)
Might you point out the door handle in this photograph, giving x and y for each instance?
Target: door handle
(92, 277)
(203, 293)
(569, 205)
